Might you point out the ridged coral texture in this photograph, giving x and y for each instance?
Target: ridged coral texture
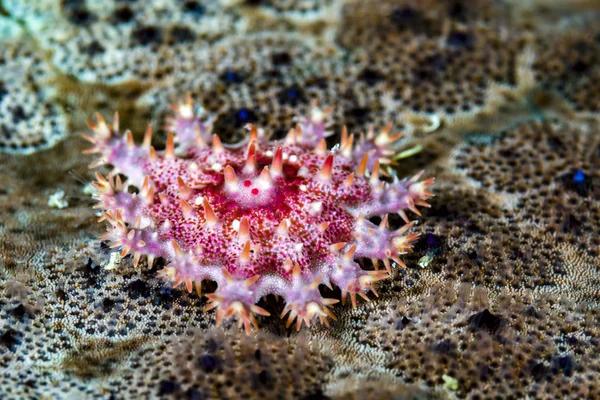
(258, 217)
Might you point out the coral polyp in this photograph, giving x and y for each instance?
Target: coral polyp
(258, 217)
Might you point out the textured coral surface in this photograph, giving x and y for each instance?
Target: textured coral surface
(498, 99)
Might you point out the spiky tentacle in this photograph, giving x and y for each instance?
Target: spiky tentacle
(192, 124)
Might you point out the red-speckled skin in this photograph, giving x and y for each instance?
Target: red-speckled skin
(258, 217)
(289, 196)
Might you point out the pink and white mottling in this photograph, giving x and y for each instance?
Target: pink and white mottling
(258, 217)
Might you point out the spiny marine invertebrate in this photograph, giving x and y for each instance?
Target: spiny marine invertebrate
(257, 217)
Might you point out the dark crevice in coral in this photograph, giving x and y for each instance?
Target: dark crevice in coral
(182, 34)
(485, 320)
(193, 7)
(123, 14)
(21, 312)
(147, 35)
(3, 91)
(10, 339)
(282, 58)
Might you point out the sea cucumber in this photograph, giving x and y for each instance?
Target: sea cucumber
(257, 217)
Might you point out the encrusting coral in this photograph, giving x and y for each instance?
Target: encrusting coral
(30, 118)
(257, 217)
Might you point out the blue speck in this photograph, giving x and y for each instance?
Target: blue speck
(243, 114)
(579, 177)
(232, 77)
(292, 93)
(432, 240)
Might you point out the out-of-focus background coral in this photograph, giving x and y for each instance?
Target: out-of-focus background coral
(498, 99)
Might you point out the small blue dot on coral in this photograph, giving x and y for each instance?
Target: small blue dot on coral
(432, 240)
(231, 76)
(579, 176)
(243, 114)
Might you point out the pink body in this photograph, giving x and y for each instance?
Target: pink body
(258, 217)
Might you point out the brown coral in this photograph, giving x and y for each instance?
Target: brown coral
(502, 343)
(30, 119)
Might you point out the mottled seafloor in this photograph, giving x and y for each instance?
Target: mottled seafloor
(498, 99)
